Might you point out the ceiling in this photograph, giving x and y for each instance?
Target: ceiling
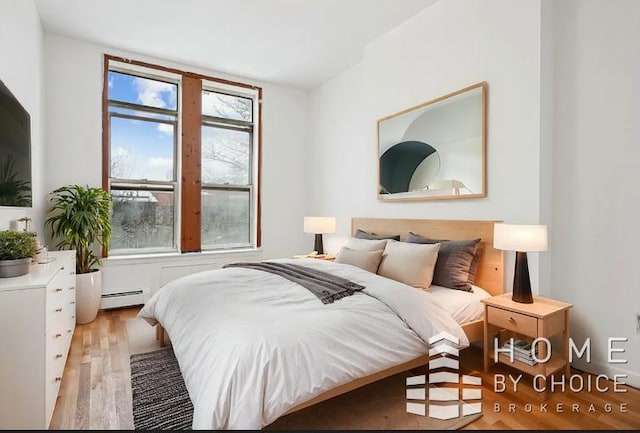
(299, 43)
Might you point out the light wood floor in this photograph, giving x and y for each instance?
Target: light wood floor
(95, 392)
(96, 389)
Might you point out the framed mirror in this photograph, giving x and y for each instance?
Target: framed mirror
(436, 150)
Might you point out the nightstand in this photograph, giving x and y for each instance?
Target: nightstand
(317, 256)
(543, 318)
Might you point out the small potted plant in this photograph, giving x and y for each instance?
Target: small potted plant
(16, 251)
(80, 219)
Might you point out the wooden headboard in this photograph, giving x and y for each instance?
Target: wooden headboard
(490, 274)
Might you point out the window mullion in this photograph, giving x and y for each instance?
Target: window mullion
(227, 187)
(190, 210)
(126, 185)
(139, 107)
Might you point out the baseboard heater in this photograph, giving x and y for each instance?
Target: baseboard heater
(125, 299)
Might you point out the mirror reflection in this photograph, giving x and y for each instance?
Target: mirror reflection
(435, 150)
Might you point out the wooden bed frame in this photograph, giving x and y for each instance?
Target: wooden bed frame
(490, 277)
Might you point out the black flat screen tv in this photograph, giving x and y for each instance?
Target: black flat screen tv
(15, 151)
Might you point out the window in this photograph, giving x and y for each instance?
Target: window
(227, 134)
(180, 182)
(143, 117)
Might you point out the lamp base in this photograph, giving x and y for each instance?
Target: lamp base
(521, 280)
(318, 244)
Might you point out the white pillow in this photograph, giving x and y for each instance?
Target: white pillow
(411, 264)
(366, 244)
(367, 260)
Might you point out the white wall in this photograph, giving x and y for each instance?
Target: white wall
(451, 45)
(596, 172)
(547, 124)
(21, 70)
(338, 153)
(74, 90)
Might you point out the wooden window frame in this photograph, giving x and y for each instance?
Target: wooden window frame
(189, 183)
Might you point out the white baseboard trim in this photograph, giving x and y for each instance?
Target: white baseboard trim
(125, 299)
(632, 379)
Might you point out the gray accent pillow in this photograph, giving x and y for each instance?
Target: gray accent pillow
(367, 260)
(361, 234)
(473, 270)
(366, 244)
(455, 260)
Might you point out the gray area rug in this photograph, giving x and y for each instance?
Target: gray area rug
(160, 399)
(161, 402)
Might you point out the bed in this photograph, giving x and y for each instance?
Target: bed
(253, 346)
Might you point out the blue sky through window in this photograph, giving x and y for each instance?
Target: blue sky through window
(143, 91)
(142, 149)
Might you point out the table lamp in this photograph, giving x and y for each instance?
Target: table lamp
(319, 226)
(520, 238)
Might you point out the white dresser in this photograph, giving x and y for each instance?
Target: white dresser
(37, 320)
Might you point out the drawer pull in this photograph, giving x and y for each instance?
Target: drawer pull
(73, 317)
(68, 331)
(58, 290)
(512, 320)
(58, 379)
(72, 302)
(59, 355)
(58, 335)
(58, 310)
(72, 288)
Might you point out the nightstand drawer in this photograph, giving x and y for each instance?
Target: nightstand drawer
(512, 321)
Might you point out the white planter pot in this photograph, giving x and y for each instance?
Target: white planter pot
(88, 295)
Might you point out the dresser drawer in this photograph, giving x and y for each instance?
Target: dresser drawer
(57, 344)
(69, 307)
(62, 325)
(59, 312)
(66, 278)
(61, 294)
(70, 303)
(55, 295)
(51, 395)
(70, 322)
(53, 379)
(58, 340)
(512, 321)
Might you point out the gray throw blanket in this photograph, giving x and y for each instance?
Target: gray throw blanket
(325, 286)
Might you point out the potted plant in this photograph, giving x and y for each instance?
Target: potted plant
(80, 219)
(16, 251)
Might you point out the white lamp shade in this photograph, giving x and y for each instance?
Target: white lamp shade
(319, 225)
(520, 237)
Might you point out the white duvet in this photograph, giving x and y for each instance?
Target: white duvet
(252, 345)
